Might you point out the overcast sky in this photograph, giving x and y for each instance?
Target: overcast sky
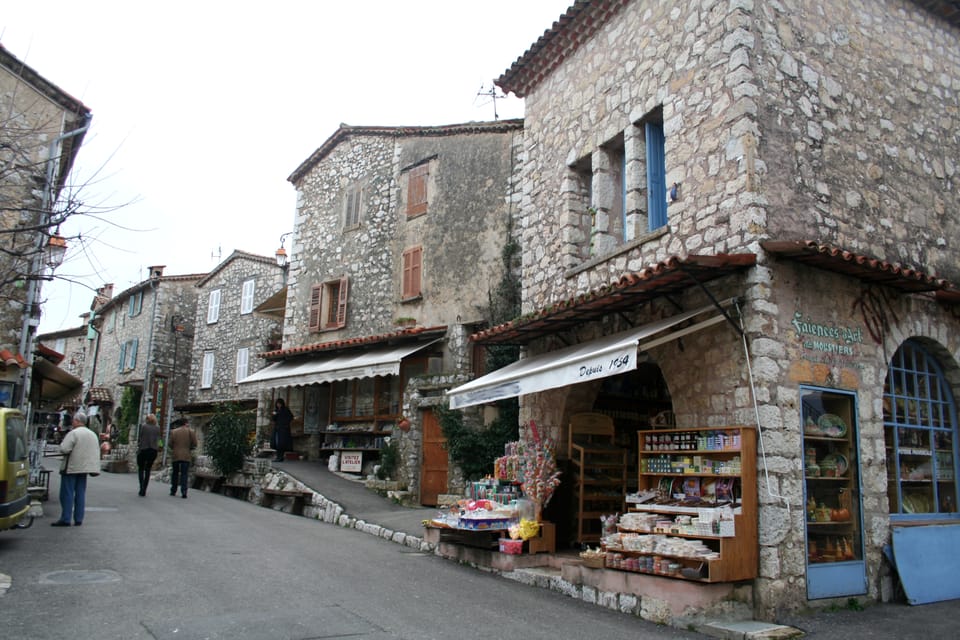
(201, 110)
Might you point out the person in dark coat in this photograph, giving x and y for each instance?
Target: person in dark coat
(282, 440)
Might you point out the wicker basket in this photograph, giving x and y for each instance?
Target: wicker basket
(594, 562)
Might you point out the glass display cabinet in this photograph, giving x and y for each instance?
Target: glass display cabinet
(834, 530)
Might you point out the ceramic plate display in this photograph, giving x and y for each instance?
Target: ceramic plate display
(836, 461)
(832, 426)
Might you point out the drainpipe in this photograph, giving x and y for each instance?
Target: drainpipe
(146, 401)
(36, 267)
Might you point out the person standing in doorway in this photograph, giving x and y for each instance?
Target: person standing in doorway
(148, 444)
(81, 457)
(182, 442)
(282, 438)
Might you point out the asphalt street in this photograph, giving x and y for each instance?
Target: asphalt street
(211, 567)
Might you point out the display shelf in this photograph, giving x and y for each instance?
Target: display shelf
(833, 529)
(598, 471)
(678, 471)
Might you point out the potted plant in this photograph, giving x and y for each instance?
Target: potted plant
(403, 424)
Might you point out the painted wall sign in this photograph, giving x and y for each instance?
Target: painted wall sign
(827, 339)
(351, 461)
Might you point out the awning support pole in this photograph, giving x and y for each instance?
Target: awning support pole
(723, 312)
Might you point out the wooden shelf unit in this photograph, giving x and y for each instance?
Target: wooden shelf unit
(739, 554)
(599, 470)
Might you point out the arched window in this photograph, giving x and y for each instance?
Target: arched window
(920, 430)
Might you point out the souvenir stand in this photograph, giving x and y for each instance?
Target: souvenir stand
(503, 513)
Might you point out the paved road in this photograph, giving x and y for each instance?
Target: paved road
(214, 568)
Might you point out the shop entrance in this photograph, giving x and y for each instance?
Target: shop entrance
(433, 473)
(635, 400)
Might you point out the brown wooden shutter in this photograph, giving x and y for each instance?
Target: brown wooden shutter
(417, 190)
(412, 272)
(316, 297)
(342, 303)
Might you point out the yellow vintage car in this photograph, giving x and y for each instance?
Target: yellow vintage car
(14, 469)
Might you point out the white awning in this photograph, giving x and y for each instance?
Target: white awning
(364, 364)
(600, 358)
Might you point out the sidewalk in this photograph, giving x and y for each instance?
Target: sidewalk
(892, 621)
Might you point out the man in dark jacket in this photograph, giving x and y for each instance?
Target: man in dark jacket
(183, 441)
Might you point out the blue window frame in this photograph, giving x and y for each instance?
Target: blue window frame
(920, 433)
(656, 176)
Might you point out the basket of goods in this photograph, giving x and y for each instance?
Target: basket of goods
(510, 546)
(593, 558)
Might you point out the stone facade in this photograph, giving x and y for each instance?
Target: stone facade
(36, 155)
(801, 120)
(236, 335)
(136, 345)
(471, 200)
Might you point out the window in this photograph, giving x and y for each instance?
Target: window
(656, 176)
(417, 182)
(367, 398)
(919, 426)
(353, 206)
(243, 363)
(246, 297)
(328, 305)
(128, 355)
(135, 304)
(412, 273)
(206, 376)
(213, 306)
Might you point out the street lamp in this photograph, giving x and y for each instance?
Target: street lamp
(55, 250)
(281, 255)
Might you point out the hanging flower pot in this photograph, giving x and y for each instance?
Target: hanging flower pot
(403, 424)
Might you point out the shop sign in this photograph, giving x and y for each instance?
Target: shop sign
(351, 461)
(826, 340)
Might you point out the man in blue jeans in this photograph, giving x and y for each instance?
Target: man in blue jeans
(81, 457)
(182, 442)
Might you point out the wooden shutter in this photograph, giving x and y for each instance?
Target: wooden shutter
(417, 190)
(246, 296)
(123, 357)
(412, 272)
(341, 318)
(656, 177)
(132, 352)
(213, 307)
(354, 203)
(316, 298)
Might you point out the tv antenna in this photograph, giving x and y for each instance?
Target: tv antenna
(216, 253)
(493, 95)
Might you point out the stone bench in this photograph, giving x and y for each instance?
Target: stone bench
(207, 481)
(298, 498)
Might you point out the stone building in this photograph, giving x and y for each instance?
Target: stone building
(41, 130)
(784, 176)
(396, 254)
(59, 362)
(136, 347)
(228, 333)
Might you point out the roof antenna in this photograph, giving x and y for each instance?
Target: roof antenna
(215, 254)
(493, 95)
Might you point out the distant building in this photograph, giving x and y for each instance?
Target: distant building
(228, 334)
(397, 253)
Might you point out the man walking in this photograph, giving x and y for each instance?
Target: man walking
(147, 446)
(81, 456)
(183, 441)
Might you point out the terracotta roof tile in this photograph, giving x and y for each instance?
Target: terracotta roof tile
(628, 292)
(334, 345)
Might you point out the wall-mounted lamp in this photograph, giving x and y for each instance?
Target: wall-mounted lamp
(55, 250)
(281, 254)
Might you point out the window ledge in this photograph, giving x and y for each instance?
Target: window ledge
(623, 248)
(416, 298)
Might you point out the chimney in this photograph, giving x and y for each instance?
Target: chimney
(156, 271)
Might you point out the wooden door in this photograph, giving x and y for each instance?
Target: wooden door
(433, 471)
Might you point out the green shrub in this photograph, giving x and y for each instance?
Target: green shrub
(228, 441)
(389, 458)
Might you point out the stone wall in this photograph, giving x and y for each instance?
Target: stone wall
(783, 120)
(233, 330)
